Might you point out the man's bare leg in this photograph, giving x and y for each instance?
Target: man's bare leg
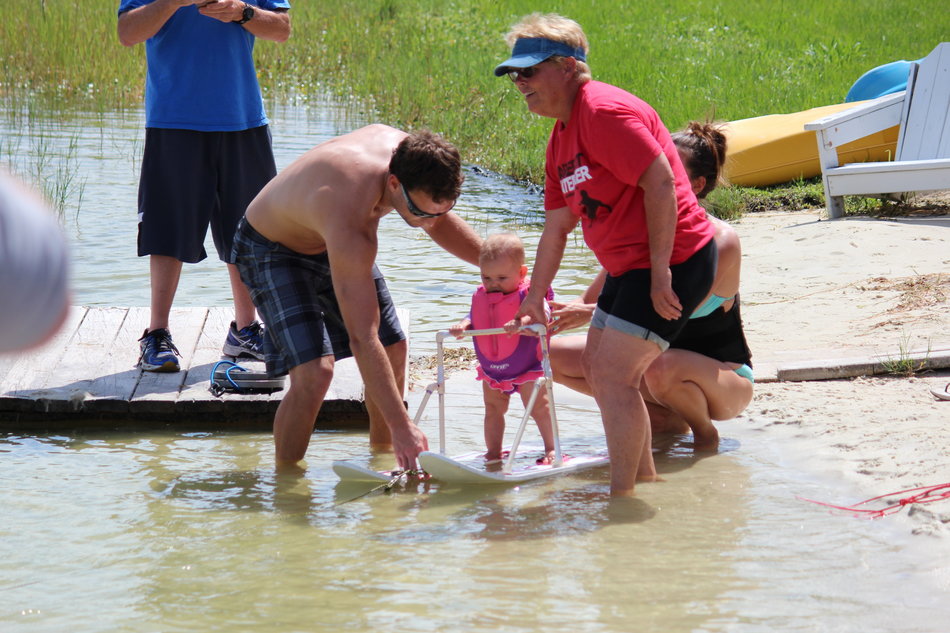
(164, 273)
(244, 311)
(297, 413)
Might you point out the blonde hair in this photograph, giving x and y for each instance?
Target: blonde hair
(554, 27)
(501, 246)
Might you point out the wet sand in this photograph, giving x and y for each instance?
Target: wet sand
(848, 289)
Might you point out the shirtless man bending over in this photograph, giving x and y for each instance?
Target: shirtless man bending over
(306, 249)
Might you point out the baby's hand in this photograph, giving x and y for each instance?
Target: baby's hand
(460, 327)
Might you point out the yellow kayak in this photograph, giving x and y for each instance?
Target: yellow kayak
(773, 149)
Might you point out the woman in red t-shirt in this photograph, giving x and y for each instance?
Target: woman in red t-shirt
(706, 374)
(612, 167)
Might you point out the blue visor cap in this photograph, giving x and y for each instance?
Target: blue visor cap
(529, 51)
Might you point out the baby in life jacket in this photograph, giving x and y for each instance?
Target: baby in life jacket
(506, 363)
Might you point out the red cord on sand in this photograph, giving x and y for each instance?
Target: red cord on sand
(924, 494)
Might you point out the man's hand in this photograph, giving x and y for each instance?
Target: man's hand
(408, 442)
(221, 10)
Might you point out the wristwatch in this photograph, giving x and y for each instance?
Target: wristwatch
(246, 15)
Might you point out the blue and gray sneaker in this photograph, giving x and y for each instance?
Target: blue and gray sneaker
(248, 342)
(158, 351)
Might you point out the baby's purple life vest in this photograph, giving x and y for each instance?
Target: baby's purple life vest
(504, 361)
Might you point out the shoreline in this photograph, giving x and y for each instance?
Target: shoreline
(815, 291)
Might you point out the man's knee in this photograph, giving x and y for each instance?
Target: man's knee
(312, 379)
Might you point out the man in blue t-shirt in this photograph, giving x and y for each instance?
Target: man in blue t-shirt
(207, 147)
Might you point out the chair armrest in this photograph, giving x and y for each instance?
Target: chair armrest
(867, 118)
(868, 108)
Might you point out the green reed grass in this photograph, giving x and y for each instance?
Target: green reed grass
(428, 63)
(53, 170)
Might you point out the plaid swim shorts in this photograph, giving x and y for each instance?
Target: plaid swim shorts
(294, 296)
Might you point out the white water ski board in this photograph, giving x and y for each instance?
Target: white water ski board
(348, 471)
(470, 468)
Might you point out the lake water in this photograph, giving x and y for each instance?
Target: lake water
(197, 532)
(105, 153)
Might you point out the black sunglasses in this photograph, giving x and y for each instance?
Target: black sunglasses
(416, 211)
(523, 73)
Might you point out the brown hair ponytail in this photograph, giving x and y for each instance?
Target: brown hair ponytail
(703, 147)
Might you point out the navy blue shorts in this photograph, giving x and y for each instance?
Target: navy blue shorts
(294, 296)
(192, 180)
(624, 303)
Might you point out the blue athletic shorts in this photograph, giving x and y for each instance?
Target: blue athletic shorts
(294, 296)
(624, 303)
(191, 180)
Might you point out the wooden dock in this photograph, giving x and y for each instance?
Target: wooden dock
(86, 378)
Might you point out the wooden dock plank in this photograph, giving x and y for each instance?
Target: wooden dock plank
(86, 377)
(6, 362)
(22, 387)
(196, 369)
(84, 372)
(125, 352)
(120, 371)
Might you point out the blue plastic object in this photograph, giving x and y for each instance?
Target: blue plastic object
(217, 388)
(880, 81)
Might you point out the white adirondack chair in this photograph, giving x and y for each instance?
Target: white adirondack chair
(922, 159)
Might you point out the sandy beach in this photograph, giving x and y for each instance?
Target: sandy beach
(819, 293)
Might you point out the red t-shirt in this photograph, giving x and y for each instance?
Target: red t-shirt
(593, 166)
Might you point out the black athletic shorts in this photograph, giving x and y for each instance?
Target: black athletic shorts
(191, 180)
(624, 303)
(294, 295)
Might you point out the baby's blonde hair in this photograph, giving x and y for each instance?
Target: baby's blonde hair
(502, 245)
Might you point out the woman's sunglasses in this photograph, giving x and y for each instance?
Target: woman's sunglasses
(416, 211)
(523, 73)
